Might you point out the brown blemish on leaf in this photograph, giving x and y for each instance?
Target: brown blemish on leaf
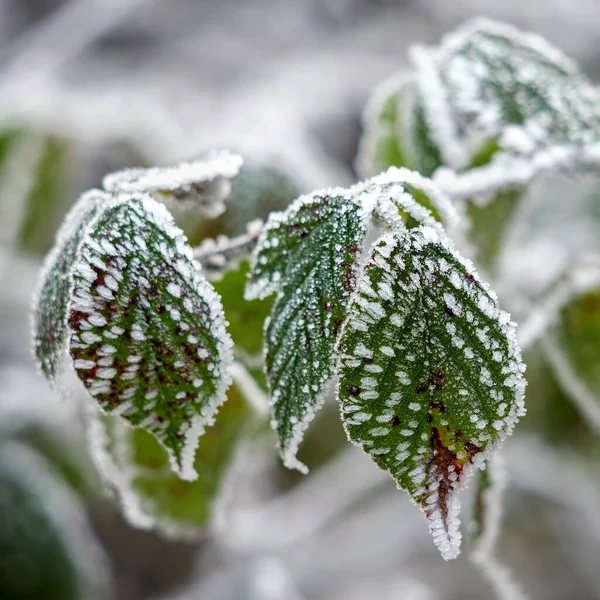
(436, 379)
(437, 405)
(441, 458)
(354, 390)
(395, 421)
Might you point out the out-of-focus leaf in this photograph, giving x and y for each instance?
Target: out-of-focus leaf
(137, 467)
(396, 132)
(489, 223)
(148, 335)
(202, 185)
(246, 318)
(46, 547)
(430, 373)
(46, 198)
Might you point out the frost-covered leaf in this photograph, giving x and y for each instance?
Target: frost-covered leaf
(487, 509)
(486, 86)
(47, 548)
(136, 466)
(203, 183)
(55, 284)
(35, 176)
(505, 84)
(430, 375)
(308, 255)
(147, 331)
(396, 132)
(489, 83)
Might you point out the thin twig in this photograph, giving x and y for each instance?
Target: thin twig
(216, 255)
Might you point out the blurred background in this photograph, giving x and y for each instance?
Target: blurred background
(90, 86)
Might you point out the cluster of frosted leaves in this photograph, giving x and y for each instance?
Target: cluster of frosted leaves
(136, 467)
(202, 184)
(430, 373)
(147, 331)
(56, 285)
(487, 84)
(309, 254)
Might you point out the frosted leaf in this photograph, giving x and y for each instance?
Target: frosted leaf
(484, 530)
(147, 331)
(487, 508)
(426, 346)
(396, 132)
(136, 467)
(49, 324)
(308, 255)
(491, 105)
(514, 89)
(406, 198)
(202, 183)
(505, 84)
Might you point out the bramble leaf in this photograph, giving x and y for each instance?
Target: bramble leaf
(430, 373)
(308, 255)
(136, 466)
(487, 85)
(505, 84)
(202, 184)
(147, 331)
(49, 325)
(396, 132)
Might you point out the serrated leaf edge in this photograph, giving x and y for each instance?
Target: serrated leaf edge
(64, 234)
(453, 532)
(224, 342)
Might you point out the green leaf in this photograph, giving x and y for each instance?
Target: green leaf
(430, 375)
(47, 549)
(49, 325)
(572, 345)
(487, 509)
(396, 132)
(489, 223)
(45, 200)
(147, 331)
(246, 318)
(515, 86)
(152, 496)
(308, 254)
